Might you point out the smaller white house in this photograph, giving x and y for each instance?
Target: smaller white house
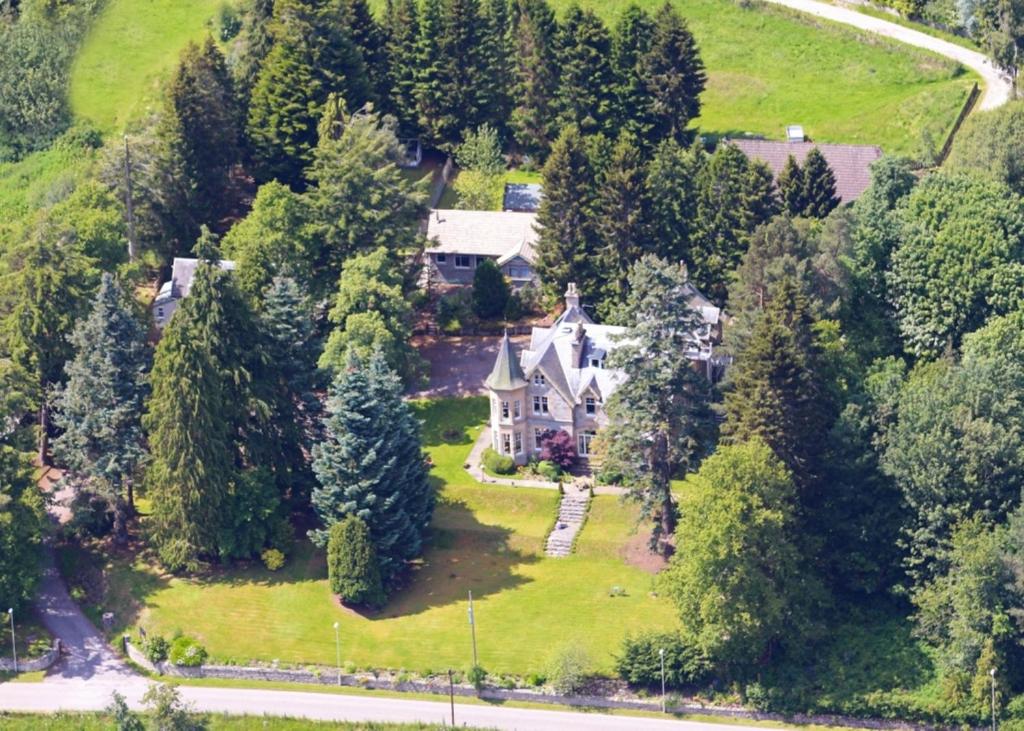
(177, 288)
(457, 241)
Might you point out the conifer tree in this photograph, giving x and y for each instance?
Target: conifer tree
(429, 72)
(361, 200)
(21, 527)
(99, 409)
(352, 566)
(673, 76)
(253, 44)
(671, 191)
(567, 241)
(778, 394)
(659, 421)
(586, 86)
(312, 57)
(791, 187)
(402, 47)
(631, 42)
(370, 465)
(497, 48)
(536, 77)
(819, 191)
(201, 126)
(369, 38)
(622, 220)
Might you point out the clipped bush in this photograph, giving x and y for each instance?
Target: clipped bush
(490, 290)
(640, 664)
(514, 307)
(499, 464)
(569, 668)
(549, 470)
(477, 675)
(272, 559)
(186, 652)
(154, 647)
(558, 447)
(352, 564)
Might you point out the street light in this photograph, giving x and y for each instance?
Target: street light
(451, 694)
(992, 673)
(14, 648)
(661, 654)
(337, 650)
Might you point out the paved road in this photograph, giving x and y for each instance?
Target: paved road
(87, 654)
(327, 707)
(998, 88)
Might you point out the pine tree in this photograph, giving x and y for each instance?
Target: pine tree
(99, 410)
(312, 57)
(290, 349)
(402, 42)
(659, 421)
(253, 44)
(21, 527)
(490, 290)
(497, 48)
(778, 394)
(536, 77)
(352, 566)
(631, 42)
(370, 465)
(791, 187)
(430, 66)
(201, 126)
(819, 190)
(622, 220)
(673, 76)
(671, 184)
(567, 242)
(369, 38)
(586, 86)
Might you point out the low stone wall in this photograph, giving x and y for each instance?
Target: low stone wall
(35, 664)
(135, 655)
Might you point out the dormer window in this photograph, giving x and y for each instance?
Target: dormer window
(538, 379)
(591, 405)
(597, 362)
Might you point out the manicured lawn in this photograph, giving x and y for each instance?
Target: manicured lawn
(486, 539)
(131, 48)
(450, 198)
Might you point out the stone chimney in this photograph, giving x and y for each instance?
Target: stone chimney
(572, 297)
(579, 336)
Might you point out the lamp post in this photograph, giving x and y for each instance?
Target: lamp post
(14, 648)
(992, 673)
(451, 694)
(337, 650)
(661, 654)
(472, 628)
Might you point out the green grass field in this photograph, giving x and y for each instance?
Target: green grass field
(211, 722)
(768, 67)
(486, 539)
(131, 48)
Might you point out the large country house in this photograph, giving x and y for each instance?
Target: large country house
(457, 241)
(562, 381)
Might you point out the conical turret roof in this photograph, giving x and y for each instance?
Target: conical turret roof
(507, 374)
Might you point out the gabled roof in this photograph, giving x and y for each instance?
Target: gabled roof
(183, 271)
(501, 234)
(850, 163)
(507, 374)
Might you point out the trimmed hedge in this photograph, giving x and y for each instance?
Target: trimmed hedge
(499, 464)
(640, 663)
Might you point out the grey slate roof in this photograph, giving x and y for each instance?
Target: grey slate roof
(850, 163)
(184, 270)
(501, 234)
(507, 374)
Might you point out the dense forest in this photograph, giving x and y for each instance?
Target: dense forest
(863, 457)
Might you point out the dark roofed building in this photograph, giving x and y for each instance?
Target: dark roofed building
(522, 197)
(175, 289)
(850, 163)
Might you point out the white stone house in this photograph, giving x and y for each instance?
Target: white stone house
(175, 289)
(562, 381)
(457, 241)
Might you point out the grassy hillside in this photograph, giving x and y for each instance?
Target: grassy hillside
(131, 47)
(768, 67)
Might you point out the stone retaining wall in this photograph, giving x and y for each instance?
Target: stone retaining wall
(36, 664)
(329, 676)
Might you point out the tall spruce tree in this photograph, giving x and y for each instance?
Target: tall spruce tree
(369, 38)
(402, 28)
(370, 465)
(497, 46)
(536, 77)
(791, 187)
(673, 76)
(254, 43)
(586, 85)
(631, 42)
(659, 421)
(312, 57)
(672, 194)
(568, 243)
(201, 126)
(819, 190)
(99, 409)
(622, 220)
(778, 393)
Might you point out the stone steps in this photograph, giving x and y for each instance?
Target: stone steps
(572, 511)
